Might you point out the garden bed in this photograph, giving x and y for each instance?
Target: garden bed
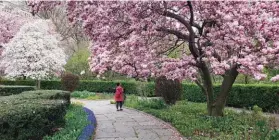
(91, 95)
(80, 125)
(190, 120)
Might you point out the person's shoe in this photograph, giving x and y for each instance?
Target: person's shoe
(121, 109)
(117, 110)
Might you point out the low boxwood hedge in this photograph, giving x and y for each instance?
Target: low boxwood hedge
(92, 85)
(30, 119)
(46, 94)
(6, 90)
(32, 114)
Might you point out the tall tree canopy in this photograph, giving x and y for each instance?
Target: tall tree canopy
(224, 38)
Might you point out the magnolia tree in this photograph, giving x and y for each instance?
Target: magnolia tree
(11, 21)
(215, 38)
(33, 52)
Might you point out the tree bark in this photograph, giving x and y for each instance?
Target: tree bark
(38, 84)
(246, 80)
(218, 106)
(208, 86)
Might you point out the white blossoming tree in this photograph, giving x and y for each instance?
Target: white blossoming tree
(34, 52)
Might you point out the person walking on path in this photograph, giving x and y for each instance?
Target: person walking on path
(119, 97)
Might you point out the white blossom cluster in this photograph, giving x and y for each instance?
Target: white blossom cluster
(33, 52)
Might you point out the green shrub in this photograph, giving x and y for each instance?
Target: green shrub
(145, 89)
(91, 95)
(143, 103)
(82, 94)
(264, 96)
(29, 119)
(46, 94)
(51, 85)
(107, 86)
(70, 82)
(89, 85)
(241, 95)
(169, 89)
(6, 90)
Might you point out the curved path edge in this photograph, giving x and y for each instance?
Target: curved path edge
(175, 131)
(129, 124)
(88, 130)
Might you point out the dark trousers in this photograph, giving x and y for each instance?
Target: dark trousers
(119, 104)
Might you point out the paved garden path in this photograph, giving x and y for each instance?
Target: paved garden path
(128, 124)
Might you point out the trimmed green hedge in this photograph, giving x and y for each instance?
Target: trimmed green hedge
(241, 95)
(92, 86)
(265, 96)
(46, 94)
(30, 119)
(32, 114)
(6, 90)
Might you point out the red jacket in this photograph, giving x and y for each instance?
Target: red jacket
(119, 94)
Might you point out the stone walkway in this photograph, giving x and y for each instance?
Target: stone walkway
(128, 124)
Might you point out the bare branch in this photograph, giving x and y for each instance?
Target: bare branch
(174, 32)
(201, 86)
(191, 12)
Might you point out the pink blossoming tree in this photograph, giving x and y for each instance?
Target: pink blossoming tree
(214, 38)
(10, 23)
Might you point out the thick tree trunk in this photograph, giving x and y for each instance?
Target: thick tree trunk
(38, 84)
(208, 86)
(217, 107)
(246, 80)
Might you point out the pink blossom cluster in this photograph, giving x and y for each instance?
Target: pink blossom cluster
(9, 25)
(136, 37)
(38, 5)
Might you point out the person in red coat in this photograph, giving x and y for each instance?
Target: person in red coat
(119, 97)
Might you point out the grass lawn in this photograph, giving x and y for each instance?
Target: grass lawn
(76, 120)
(190, 120)
(91, 95)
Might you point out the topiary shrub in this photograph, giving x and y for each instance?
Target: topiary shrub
(170, 90)
(70, 82)
(29, 119)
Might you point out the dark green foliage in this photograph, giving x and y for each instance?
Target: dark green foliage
(51, 85)
(92, 85)
(18, 82)
(242, 95)
(107, 86)
(32, 114)
(264, 96)
(29, 119)
(145, 89)
(9, 90)
(70, 82)
(169, 89)
(46, 94)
